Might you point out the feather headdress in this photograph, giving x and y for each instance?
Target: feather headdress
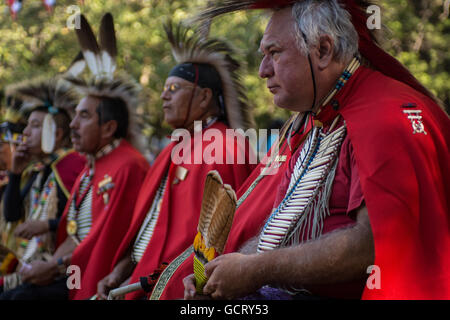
(100, 58)
(214, 224)
(13, 120)
(188, 47)
(368, 46)
(41, 93)
(51, 95)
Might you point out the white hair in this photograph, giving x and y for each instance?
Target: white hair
(315, 18)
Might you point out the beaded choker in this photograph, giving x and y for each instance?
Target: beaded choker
(345, 76)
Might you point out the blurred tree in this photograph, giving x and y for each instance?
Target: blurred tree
(40, 43)
(420, 38)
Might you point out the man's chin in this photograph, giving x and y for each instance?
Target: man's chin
(289, 105)
(77, 147)
(281, 103)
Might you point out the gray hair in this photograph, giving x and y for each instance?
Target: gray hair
(325, 17)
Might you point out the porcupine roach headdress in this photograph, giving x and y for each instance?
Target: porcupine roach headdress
(50, 95)
(204, 54)
(100, 57)
(368, 47)
(13, 121)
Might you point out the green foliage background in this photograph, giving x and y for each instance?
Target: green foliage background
(39, 43)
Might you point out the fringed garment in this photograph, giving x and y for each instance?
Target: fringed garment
(300, 215)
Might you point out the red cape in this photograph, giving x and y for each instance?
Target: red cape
(248, 220)
(178, 219)
(67, 168)
(404, 177)
(110, 222)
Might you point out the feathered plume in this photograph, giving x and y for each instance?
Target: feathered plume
(101, 61)
(357, 8)
(108, 44)
(215, 52)
(216, 216)
(220, 7)
(122, 87)
(89, 47)
(77, 66)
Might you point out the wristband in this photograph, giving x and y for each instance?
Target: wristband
(61, 266)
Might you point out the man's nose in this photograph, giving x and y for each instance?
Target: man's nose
(73, 123)
(165, 94)
(265, 68)
(26, 131)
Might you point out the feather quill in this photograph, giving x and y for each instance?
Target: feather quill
(221, 7)
(48, 140)
(89, 46)
(77, 66)
(108, 45)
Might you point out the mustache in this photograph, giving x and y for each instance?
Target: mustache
(74, 134)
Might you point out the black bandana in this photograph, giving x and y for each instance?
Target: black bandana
(208, 77)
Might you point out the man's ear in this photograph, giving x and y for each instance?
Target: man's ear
(324, 52)
(205, 97)
(108, 129)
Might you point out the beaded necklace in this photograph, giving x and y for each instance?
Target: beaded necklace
(82, 199)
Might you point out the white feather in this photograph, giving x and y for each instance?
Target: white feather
(93, 62)
(76, 68)
(48, 134)
(108, 64)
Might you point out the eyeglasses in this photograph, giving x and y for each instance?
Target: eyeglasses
(174, 87)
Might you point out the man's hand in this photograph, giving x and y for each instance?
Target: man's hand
(31, 228)
(40, 273)
(190, 293)
(119, 277)
(339, 256)
(108, 283)
(20, 159)
(232, 276)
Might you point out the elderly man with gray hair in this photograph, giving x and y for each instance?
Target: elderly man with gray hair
(364, 193)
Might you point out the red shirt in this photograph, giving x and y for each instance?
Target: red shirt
(346, 197)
